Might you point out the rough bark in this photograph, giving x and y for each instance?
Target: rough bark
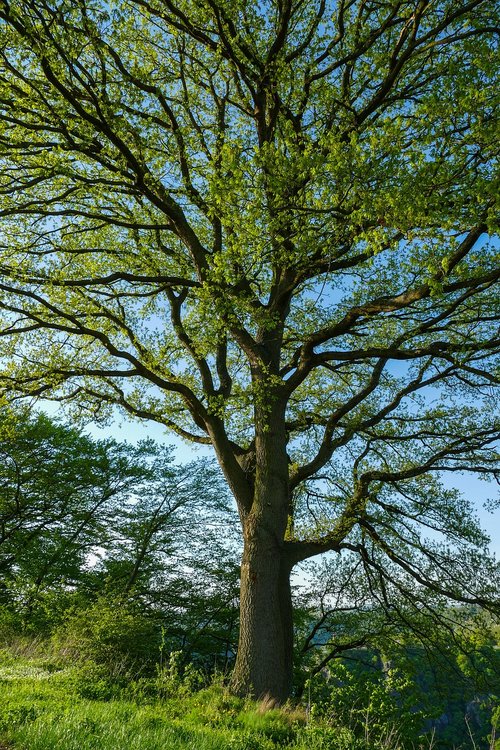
(264, 659)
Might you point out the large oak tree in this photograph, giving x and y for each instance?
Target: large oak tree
(264, 226)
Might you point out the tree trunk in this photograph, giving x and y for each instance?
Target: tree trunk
(264, 663)
(265, 650)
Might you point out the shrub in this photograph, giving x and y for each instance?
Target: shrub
(378, 707)
(9, 624)
(94, 682)
(111, 632)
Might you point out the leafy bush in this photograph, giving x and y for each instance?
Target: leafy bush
(172, 680)
(380, 708)
(93, 681)
(111, 632)
(10, 625)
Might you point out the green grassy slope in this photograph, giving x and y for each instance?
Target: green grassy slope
(43, 707)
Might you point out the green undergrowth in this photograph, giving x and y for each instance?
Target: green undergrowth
(46, 705)
(49, 701)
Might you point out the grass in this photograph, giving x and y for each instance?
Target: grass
(45, 707)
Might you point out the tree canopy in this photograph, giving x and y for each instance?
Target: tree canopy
(265, 226)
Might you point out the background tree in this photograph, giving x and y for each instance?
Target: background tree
(58, 488)
(173, 549)
(264, 227)
(87, 524)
